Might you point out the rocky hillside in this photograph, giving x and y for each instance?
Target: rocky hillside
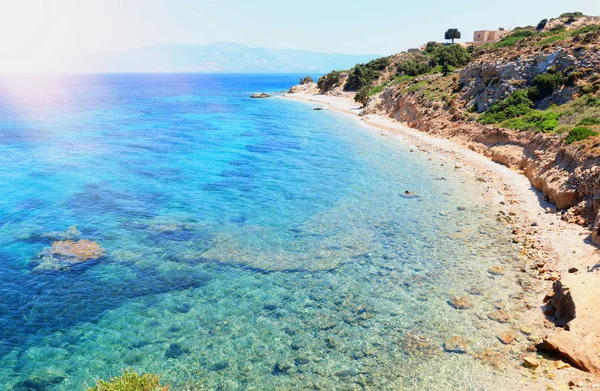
(530, 101)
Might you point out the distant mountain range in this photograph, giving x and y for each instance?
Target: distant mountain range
(219, 57)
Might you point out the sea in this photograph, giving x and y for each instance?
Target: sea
(249, 244)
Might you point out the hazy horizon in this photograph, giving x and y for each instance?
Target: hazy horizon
(39, 36)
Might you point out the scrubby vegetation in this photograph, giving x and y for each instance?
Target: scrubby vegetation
(364, 74)
(306, 80)
(516, 105)
(433, 77)
(543, 85)
(541, 121)
(130, 380)
(362, 96)
(418, 65)
(328, 81)
(579, 133)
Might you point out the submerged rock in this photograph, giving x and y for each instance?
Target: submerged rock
(66, 253)
(79, 251)
(174, 351)
(490, 357)
(456, 344)
(461, 302)
(281, 368)
(71, 233)
(507, 337)
(499, 316)
(496, 270)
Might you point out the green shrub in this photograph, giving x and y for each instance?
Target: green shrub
(508, 41)
(589, 121)
(587, 29)
(329, 81)
(306, 80)
(514, 106)
(524, 33)
(545, 84)
(592, 101)
(359, 77)
(558, 27)
(536, 120)
(379, 64)
(364, 74)
(431, 46)
(402, 79)
(573, 77)
(450, 55)
(579, 133)
(130, 380)
(542, 24)
(571, 15)
(586, 89)
(415, 67)
(362, 96)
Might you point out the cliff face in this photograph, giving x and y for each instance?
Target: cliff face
(490, 79)
(569, 175)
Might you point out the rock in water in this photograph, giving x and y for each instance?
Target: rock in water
(79, 251)
(456, 344)
(66, 253)
(260, 95)
(507, 337)
(499, 316)
(460, 302)
(496, 270)
(174, 351)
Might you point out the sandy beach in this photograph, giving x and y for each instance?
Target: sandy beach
(557, 249)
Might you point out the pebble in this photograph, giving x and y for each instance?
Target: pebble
(531, 362)
(496, 270)
(507, 337)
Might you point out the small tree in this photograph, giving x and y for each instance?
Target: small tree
(452, 34)
(306, 80)
(362, 96)
(542, 24)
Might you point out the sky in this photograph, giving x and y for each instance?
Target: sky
(52, 34)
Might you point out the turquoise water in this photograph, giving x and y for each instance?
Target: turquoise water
(250, 244)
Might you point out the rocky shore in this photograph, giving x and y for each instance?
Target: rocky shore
(562, 259)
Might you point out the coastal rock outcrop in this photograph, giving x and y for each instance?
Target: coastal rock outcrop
(308, 88)
(577, 339)
(260, 95)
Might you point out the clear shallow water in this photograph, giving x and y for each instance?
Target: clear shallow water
(251, 244)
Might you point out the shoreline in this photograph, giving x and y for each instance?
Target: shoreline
(554, 247)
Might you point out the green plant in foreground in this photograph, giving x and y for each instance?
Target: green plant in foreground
(130, 380)
(579, 133)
